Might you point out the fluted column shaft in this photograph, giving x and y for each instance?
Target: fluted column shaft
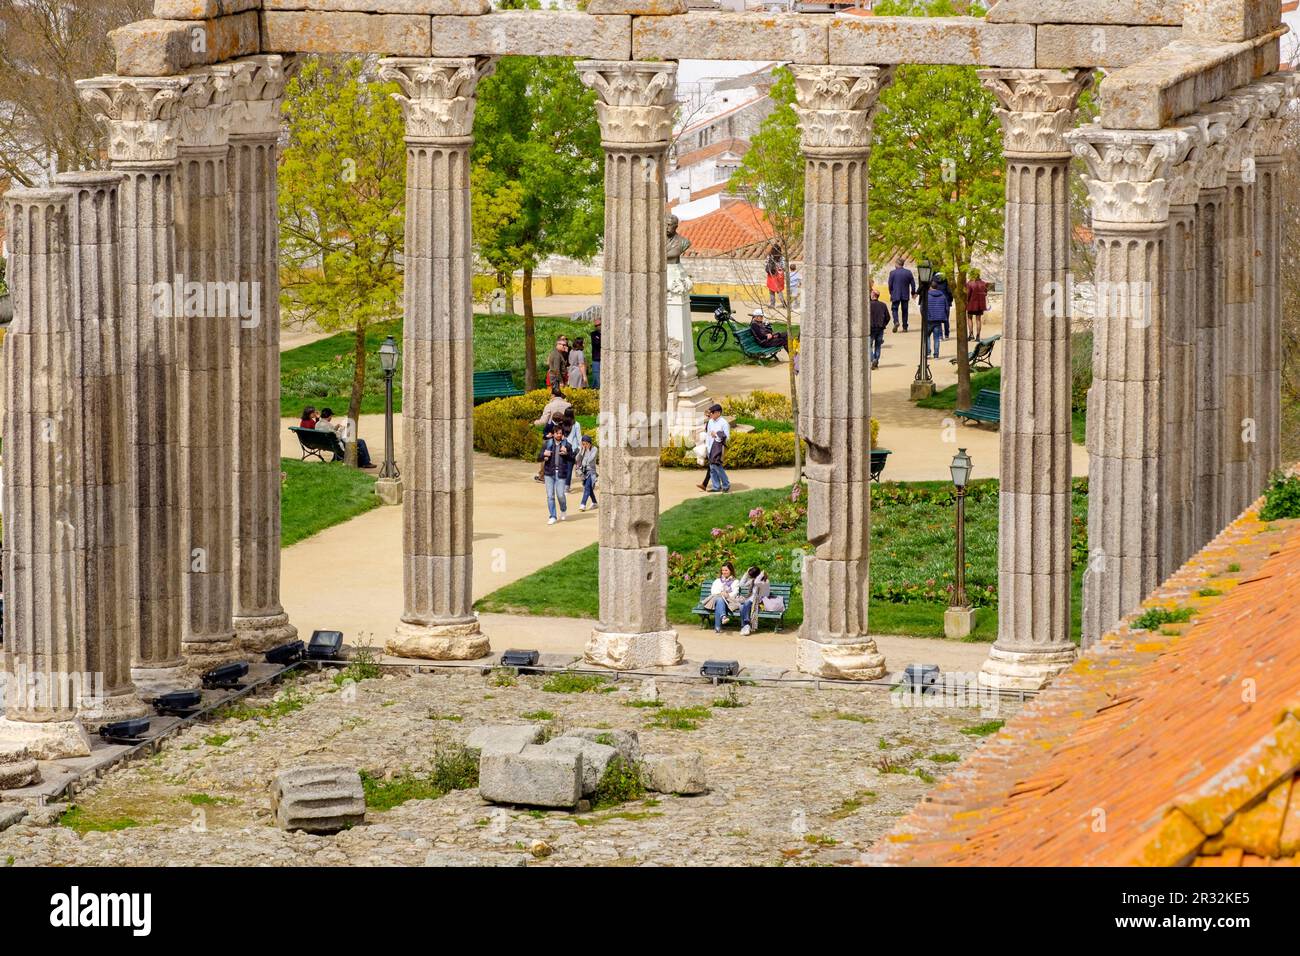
(835, 107)
(1242, 353)
(1177, 501)
(1037, 108)
(259, 619)
(206, 318)
(438, 622)
(635, 104)
(1129, 174)
(141, 118)
(1268, 207)
(1211, 362)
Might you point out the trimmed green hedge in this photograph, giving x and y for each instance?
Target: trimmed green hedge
(504, 427)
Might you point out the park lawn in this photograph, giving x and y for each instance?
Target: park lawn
(992, 379)
(912, 543)
(318, 495)
(320, 373)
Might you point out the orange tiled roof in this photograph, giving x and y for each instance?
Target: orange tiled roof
(733, 225)
(1165, 748)
(703, 193)
(733, 145)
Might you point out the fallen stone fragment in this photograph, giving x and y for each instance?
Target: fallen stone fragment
(626, 742)
(649, 691)
(17, 767)
(10, 814)
(503, 738)
(535, 777)
(681, 773)
(321, 799)
(595, 758)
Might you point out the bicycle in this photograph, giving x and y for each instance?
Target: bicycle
(713, 338)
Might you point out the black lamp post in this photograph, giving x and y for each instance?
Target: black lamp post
(924, 272)
(961, 466)
(388, 362)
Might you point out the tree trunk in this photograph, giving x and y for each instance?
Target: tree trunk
(794, 393)
(963, 337)
(358, 388)
(530, 335)
(507, 280)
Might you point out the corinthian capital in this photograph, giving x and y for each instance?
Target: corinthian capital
(1277, 95)
(635, 101)
(258, 91)
(140, 114)
(205, 107)
(1129, 171)
(836, 104)
(437, 96)
(1036, 107)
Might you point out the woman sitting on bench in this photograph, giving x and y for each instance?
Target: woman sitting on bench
(764, 335)
(724, 596)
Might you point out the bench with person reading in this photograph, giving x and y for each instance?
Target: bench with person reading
(776, 590)
(494, 384)
(987, 407)
(982, 355)
(316, 442)
(749, 345)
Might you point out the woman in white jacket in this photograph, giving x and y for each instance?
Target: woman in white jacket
(724, 596)
(760, 588)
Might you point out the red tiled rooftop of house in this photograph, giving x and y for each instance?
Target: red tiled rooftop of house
(1176, 747)
(733, 225)
(733, 145)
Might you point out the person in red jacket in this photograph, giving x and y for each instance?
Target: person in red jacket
(977, 301)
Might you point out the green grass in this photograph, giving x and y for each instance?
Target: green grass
(1156, 617)
(78, 819)
(984, 729)
(318, 495)
(570, 683)
(538, 715)
(455, 768)
(679, 718)
(286, 702)
(217, 740)
(946, 399)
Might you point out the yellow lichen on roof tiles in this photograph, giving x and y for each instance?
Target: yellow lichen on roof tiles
(1175, 840)
(1239, 783)
(1258, 828)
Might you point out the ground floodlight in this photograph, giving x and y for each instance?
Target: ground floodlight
(325, 645)
(125, 731)
(716, 669)
(226, 676)
(289, 653)
(180, 703)
(921, 677)
(517, 658)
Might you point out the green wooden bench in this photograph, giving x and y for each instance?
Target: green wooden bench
(749, 345)
(878, 458)
(987, 407)
(316, 442)
(495, 384)
(709, 304)
(777, 617)
(982, 355)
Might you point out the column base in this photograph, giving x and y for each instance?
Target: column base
(922, 390)
(450, 641)
(389, 490)
(958, 622)
(257, 635)
(47, 740)
(625, 652)
(155, 681)
(1026, 670)
(117, 707)
(859, 660)
(204, 655)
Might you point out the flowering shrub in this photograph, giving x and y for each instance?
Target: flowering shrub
(782, 522)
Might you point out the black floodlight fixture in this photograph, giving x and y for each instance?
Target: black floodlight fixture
(226, 676)
(325, 645)
(125, 731)
(716, 669)
(518, 658)
(921, 678)
(290, 653)
(179, 703)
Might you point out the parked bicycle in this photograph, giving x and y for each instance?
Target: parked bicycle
(714, 338)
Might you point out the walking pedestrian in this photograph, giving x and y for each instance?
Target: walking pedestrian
(775, 269)
(935, 312)
(557, 466)
(977, 302)
(577, 365)
(557, 363)
(902, 285)
(879, 322)
(796, 287)
(717, 434)
(942, 283)
(595, 352)
(587, 472)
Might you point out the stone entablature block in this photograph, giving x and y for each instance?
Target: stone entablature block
(393, 34)
(426, 7)
(202, 9)
(1119, 12)
(169, 47)
(1230, 19)
(517, 32)
(1069, 45)
(961, 41)
(797, 37)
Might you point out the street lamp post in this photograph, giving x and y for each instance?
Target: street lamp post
(389, 483)
(959, 619)
(923, 383)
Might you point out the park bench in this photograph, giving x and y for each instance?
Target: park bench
(878, 458)
(778, 617)
(987, 407)
(982, 355)
(749, 345)
(709, 304)
(495, 384)
(315, 442)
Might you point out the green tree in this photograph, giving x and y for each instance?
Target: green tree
(937, 172)
(342, 202)
(538, 174)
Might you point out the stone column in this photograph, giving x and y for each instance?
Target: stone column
(835, 107)
(1128, 182)
(438, 622)
(206, 316)
(1037, 108)
(635, 103)
(259, 619)
(141, 118)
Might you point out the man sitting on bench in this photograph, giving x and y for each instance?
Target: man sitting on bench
(763, 333)
(326, 424)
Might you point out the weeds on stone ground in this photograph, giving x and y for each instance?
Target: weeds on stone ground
(503, 677)
(77, 819)
(217, 740)
(1208, 592)
(567, 682)
(538, 715)
(285, 702)
(888, 764)
(434, 715)
(851, 805)
(454, 768)
(730, 698)
(945, 758)
(1156, 617)
(364, 665)
(679, 718)
(620, 783)
(207, 800)
(984, 729)
(643, 703)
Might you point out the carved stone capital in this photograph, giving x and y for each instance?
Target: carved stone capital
(635, 102)
(205, 107)
(1037, 107)
(256, 98)
(437, 95)
(1184, 178)
(1277, 97)
(836, 105)
(140, 114)
(1129, 170)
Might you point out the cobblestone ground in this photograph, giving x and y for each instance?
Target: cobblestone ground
(797, 777)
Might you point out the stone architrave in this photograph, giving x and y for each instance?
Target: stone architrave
(259, 619)
(437, 99)
(835, 106)
(1036, 109)
(635, 105)
(206, 315)
(1129, 184)
(141, 117)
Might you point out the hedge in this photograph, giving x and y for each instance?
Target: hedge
(504, 427)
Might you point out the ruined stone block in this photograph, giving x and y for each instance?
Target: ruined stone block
(641, 8)
(798, 37)
(500, 739)
(1070, 45)
(1230, 19)
(169, 47)
(319, 799)
(535, 777)
(535, 33)
(963, 41)
(392, 34)
(426, 7)
(627, 742)
(1134, 12)
(202, 9)
(17, 767)
(595, 758)
(674, 773)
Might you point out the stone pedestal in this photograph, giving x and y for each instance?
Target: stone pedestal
(389, 490)
(635, 105)
(958, 622)
(437, 100)
(688, 398)
(922, 390)
(259, 619)
(835, 106)
(141, 118)
(1037, 108)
